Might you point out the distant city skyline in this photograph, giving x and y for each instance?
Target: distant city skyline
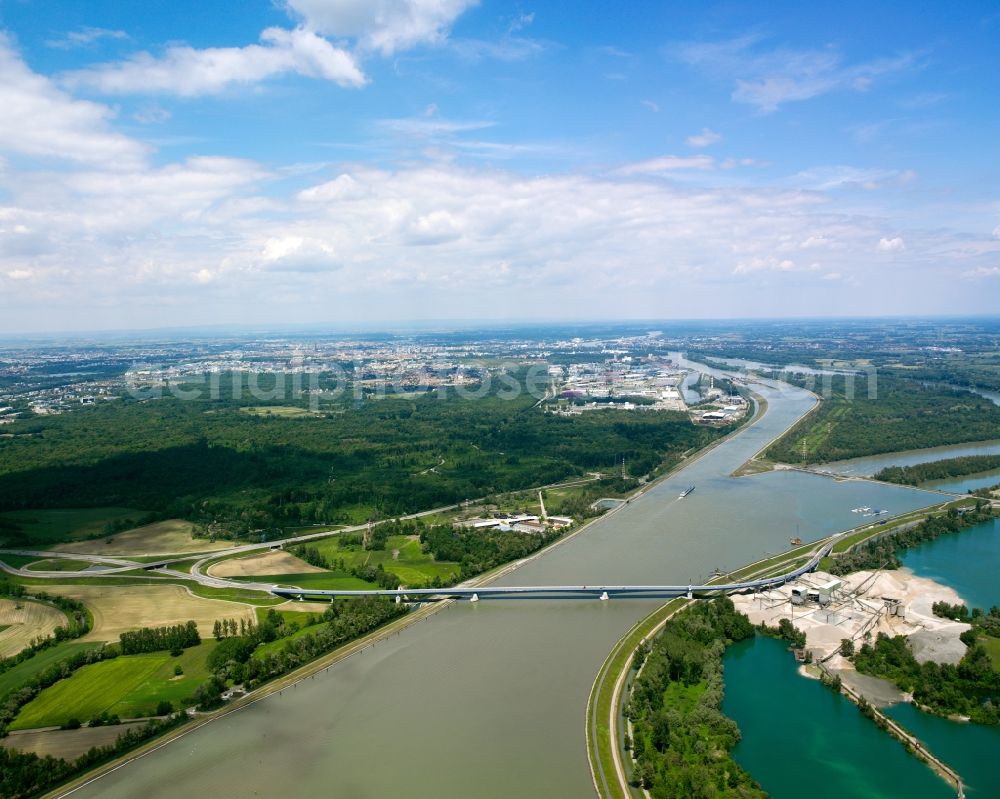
(335, 162)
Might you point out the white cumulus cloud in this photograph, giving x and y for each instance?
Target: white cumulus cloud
(895, 244)
(385, 26)
(189, 72)
(40, 119)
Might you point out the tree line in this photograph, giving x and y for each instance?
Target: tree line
(681, 740)
(477, 551)
(236, 659)
(174, 638)
(938, 470)
(882, 552)
(905, 414)
(983, 622)
(971, 688)
(131, 642)
(372, 574)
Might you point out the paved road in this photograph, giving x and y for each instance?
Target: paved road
(114, 566)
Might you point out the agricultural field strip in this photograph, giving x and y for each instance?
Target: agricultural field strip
(117, 609)
(130, 686)
(25, 620)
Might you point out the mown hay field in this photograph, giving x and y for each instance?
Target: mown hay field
(129, 607)
(166, 537)
(274, 562)
(25, 620)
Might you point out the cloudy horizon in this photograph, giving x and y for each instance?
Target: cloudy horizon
(343, 161)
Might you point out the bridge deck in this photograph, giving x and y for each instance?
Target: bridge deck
(551, 591)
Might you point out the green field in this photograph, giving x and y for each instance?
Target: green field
(22, 672)
(279, 644)
(993, 647)
(288, 616)
(319, 580)
(18, 561)
(900, 415)
(413, 566)
(72, 524)
(59, 565)
(247, 596)
(129, 686)
(285, 411)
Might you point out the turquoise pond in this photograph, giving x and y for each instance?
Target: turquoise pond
(799, 738)
(802, 739)
(968, 562)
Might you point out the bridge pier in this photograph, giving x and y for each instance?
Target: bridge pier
(605, 597)
(474, 598)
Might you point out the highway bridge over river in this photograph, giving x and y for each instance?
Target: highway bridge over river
(603, 592)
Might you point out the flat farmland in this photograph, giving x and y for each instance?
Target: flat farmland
(65, 744)
(166, 537)
(130, 686)
(129, 607)
(29, 669)
(403, 556)
(275, 562)
(30, 620)
(284, 411)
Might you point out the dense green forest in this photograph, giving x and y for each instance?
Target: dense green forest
(881, 552)
(478, 551)
(208, 461)
(939, 470)
(681, 740)
(984, 622)
(904, 414)
(972, 688)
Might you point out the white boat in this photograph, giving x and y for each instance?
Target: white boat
(686, 491)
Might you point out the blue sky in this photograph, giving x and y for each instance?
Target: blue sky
(336, 160)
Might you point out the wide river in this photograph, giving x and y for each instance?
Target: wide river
(489, 699)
